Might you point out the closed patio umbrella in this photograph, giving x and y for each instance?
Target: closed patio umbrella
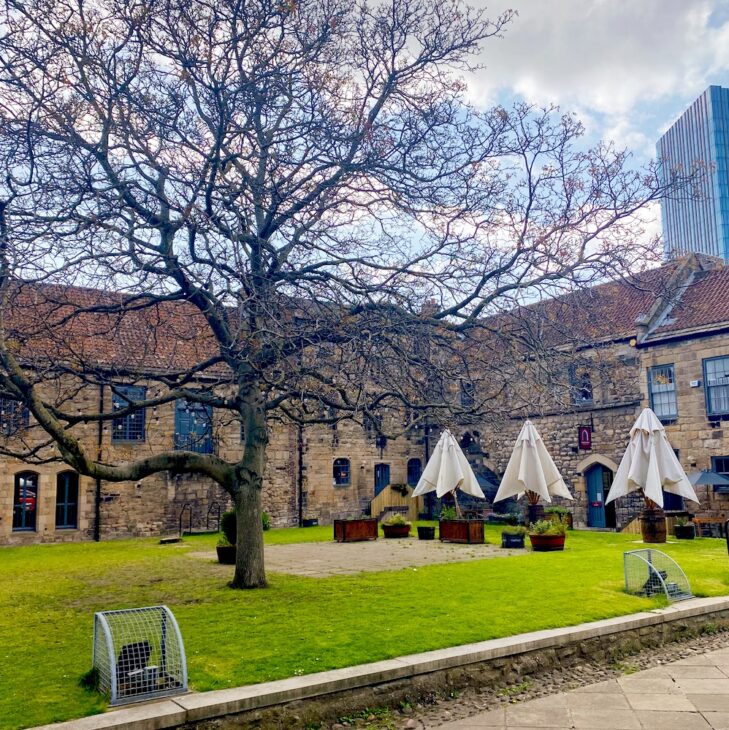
(709, 478)
(448, 470)
(650, 464)
(531, 470)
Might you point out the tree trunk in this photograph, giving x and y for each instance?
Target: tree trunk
(249, 567)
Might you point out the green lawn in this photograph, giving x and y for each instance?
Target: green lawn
(48, 595)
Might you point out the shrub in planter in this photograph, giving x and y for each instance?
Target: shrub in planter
(229, 527)
(684, 529)
(396, 526)
(547, 536)
(557, 513)
(513, 537)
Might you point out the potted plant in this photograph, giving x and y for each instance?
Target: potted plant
(355, 529)
(546, 535)
(426, 532)
(401, 489)
(557, 513)
(513, 536)
(684, 529)
(452, 529)
(396, 526)
(226, 544)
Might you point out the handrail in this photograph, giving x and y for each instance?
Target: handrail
(214, 506)
(187, 506)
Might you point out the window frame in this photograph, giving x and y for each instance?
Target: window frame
(66, 503)
(718, 489)
(16, 422)
(16, 501)
(722, 415)
(578, 375)
(411, 460)
(668, 417)
(124, 392)
(340, 464)
(203, 443)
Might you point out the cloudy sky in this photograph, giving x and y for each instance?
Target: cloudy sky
(627, 67)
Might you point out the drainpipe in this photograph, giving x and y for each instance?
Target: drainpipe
(99, 442)
(300, 474)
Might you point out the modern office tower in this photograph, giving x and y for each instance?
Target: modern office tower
(698, 222)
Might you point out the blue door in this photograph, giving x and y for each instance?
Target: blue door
(382, 477)
(595, 496)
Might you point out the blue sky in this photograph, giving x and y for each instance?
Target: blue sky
(627, 68)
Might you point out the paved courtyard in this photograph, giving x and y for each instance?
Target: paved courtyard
(690, 694)
(322, 559)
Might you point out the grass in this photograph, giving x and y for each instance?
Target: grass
(48, 595)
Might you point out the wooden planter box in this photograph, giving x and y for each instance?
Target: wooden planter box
(396, 530)
(511, 541)
(355, 530)
(226, 554)
(684, 532)
(546, 543)
(467, 531)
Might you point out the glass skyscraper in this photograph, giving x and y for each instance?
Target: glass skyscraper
(701, 135)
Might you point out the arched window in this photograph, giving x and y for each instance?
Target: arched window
(67, 501)
(585, 388)
(25, 501)
(340, 472)
(415, 469)
(581, 385)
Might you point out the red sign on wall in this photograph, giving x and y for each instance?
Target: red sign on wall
(584, 437)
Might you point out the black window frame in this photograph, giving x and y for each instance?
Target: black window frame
(341, 465)
(14, 416)
(19, 508)
(408, 472)
(69, 480)
(651, 371)
(131, 428)
(199, 443)
(718, 466)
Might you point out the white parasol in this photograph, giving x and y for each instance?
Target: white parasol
(448, 470)
(531, 470)
(650, 464)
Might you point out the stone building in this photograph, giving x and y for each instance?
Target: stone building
(660, 340)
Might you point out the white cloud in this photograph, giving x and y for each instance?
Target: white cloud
(628, 68)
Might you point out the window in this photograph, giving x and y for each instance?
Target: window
(415, 469)
(720, 464)
(67, 501)
(662, 392)
(581, 386)
(468, 394)
(132, 426)
(340, 472)
(14, 416)
(193, 427)
(25, 501)
(716, 378)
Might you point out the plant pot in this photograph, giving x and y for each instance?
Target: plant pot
(355, 530)
(535, 512)
(396, 530)
(653, 525)
(310, 522)
(426, 533)
(684, 532)
(546, 543)
(226, 554)
(465, 531)
(509, 540)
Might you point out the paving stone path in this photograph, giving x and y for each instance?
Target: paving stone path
(323, 559)
(689, 694)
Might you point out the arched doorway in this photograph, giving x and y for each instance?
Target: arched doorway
(598, 479)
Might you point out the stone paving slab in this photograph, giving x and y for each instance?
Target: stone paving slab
(324, 559)
(691, 694)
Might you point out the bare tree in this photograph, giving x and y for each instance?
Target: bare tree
(305, 180)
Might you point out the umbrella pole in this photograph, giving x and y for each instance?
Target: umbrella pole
(459, 514)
